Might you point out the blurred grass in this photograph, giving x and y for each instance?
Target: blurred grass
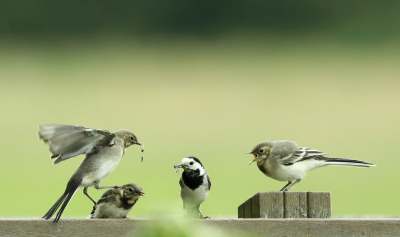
(214, 100)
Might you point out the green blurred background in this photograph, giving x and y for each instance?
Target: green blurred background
(209, 79)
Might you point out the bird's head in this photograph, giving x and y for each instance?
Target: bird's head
(131, 191)
(129, 138)
(190, 164)
(261, 151)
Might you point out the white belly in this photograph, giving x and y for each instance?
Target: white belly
(103, 169)
(296, 171)
(194, 197)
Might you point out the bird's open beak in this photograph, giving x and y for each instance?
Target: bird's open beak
(255, 157)
(140, 193)
(177, 167)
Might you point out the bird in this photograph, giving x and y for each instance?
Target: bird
(195, 185)
(286, 161)
(116, 203)
(103, 150)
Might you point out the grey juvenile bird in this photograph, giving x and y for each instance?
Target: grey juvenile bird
(103, 150)
(117, 202)
(285, 161)
(195, 185)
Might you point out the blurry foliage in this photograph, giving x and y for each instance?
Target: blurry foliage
(177, 228)
(45, 18)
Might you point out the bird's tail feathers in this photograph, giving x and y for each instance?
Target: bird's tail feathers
(348, 162)
(72, 187)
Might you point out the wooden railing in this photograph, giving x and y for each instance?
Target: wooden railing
(265, 214)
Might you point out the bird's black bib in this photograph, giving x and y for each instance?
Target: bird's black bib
(193, 179)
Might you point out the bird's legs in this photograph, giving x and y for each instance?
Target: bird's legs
(201, 215)
(97, 186)
(284, 187)
(290, 185)
(86, 193)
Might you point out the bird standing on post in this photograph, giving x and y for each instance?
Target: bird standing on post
(117, 202)
(103, 150)
(195, 185)
(285, 161)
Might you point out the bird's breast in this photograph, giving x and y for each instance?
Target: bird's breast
(98, 166)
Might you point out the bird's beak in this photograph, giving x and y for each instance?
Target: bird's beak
(140, 193)
(177, 167)
(141, 145)
(255, 157)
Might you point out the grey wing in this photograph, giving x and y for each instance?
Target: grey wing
(209, 182)
(302, 153)
(66, 141)
(181, 183)
(104, 198)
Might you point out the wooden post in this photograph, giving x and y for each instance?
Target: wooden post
(319, 205)
(247, 208)
(295, 204)
(287, 205)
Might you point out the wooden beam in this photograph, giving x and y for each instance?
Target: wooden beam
(239, 227)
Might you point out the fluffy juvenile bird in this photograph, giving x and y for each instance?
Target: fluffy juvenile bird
(286, 161)
(103, 150)
(195, 185)
(117, 202)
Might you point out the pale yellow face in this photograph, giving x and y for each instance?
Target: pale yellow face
(261, 151)
(129, 138)
(132, 190)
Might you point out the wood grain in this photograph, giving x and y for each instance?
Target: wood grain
(319, 205)
(271, 205)
(241, 211)
(238, 227)
(247, 208)
(295, 204)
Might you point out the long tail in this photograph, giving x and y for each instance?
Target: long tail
(72, 187)
(348, 162)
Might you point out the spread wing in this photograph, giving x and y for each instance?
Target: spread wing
(302, 153)
(66, 141)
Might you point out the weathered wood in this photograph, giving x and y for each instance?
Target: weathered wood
(255, 206)
(241, 211)
(271, 204)
(247, 208)
(319, 205)
(238, 227)
(295, 204)
(287, 205)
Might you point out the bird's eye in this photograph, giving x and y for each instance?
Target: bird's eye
(131, 138)
(261, 150)
(191, 163)
(130, 189)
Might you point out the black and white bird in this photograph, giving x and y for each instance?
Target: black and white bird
(195, 185)
(103, 150)
(116, 203)
(286, 161)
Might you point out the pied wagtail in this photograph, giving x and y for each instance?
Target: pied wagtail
(195, 185)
